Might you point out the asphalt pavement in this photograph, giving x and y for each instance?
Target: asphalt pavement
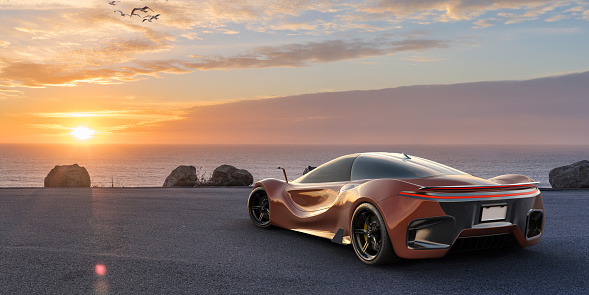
(200, 240)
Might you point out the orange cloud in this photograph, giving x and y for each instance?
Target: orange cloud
(21, 74)
(108, 124)
(7, 93)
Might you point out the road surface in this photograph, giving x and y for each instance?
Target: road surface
(200, 240)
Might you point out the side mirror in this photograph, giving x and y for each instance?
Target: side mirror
(284, 171)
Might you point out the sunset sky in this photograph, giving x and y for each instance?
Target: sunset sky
(69, 64)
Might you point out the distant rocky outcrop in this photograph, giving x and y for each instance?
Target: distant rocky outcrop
(227, 175)
(181, 176)
(68, 176)
(572, 176)
(308, 169)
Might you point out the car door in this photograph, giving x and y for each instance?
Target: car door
(315, 196)
(320, 188)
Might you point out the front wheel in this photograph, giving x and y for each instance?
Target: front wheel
(259, 208)
(369, 236)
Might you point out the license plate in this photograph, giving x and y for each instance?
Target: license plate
(494, 213)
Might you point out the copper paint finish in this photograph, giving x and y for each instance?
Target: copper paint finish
(322, 209)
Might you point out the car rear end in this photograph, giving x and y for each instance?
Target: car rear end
(465, 217)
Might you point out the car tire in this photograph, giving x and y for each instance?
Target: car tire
(370, 237)
(258, 208)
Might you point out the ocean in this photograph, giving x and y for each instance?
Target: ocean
(27, 165)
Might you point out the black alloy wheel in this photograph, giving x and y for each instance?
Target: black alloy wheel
(369, 236)
(259, 208)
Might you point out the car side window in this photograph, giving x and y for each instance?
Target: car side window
(336, 170)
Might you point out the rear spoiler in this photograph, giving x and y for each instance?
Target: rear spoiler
(482, 187)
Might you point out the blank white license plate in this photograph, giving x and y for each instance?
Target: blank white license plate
(494, 213)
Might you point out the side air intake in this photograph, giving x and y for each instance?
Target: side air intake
(534, 224)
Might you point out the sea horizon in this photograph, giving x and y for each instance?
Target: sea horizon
(147, 165)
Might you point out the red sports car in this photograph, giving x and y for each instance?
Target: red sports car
(391, 206)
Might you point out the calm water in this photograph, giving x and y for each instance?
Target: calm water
(24, 165)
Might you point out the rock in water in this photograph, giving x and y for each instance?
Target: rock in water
(227, 175)
(68, 176)
(181, 176)
(572, 176)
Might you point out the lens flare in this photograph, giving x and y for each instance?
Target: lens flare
(100, 269)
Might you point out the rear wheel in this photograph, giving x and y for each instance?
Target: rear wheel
(259, 208)
(369, 236)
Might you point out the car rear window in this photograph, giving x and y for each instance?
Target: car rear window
(382, 166)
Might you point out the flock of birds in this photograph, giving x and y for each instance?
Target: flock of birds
(145, 9)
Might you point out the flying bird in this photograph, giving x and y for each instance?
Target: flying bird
(122, 13)
(151, 17)
(113, 2)
(144, 9)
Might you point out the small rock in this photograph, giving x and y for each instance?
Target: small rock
(308, 169)
(227, 175)
(68, 176)
(572, 176)
(181, 176)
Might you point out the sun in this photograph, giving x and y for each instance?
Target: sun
(82, 133)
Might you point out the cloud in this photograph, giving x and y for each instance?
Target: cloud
(229, 32)
(29, 74)
(422, 59)
(459, 10)
(127, 114)
(575, 9)
(71, 46)
(487, 113)
(191, 36)
(7, 93)
(59, 42)
(45, 4)
(323, 27)
(483, 23)
(18, 74)
(298, 55)
(556, 18)
(50, 126)
(553, 31)
(110, 121)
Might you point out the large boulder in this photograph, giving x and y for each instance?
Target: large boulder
(572, 176)
(227, 175)
(68, 176)
(181, 176)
